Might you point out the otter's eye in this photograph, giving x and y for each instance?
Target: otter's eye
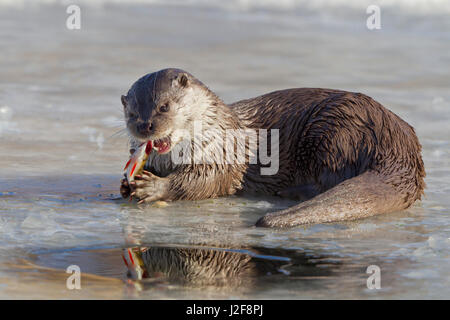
(131, 114)
(164, 108)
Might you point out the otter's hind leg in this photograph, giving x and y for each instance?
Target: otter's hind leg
(359, 197)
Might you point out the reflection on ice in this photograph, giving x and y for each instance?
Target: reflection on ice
(62, 150)
(229, 268)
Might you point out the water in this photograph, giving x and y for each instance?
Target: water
(60, 162)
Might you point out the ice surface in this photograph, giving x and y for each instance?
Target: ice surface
(62, 149)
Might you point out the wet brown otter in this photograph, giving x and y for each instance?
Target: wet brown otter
(342, 153)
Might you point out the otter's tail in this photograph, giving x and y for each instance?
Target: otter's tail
(359, 197)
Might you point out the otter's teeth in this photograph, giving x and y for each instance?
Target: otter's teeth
(162, 144)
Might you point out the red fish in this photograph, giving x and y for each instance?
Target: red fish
(137, 160)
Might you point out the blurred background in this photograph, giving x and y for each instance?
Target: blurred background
(62, 144)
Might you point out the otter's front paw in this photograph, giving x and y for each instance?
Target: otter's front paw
(148, 188)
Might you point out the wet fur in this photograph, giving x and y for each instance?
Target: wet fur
(342, 152)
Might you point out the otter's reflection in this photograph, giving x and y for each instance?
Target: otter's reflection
(219, 267)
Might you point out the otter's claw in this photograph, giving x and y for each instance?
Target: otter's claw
(147, 187)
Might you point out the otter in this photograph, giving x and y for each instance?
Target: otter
(343, 154)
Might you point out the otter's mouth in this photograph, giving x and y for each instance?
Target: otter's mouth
(162, 145)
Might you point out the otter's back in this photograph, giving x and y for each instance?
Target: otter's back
(334, 135)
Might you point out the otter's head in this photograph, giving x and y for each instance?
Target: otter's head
(159, 104)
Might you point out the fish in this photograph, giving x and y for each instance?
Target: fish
(133, 260)
(136, 163)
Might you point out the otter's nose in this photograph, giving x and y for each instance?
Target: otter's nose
(145, 128)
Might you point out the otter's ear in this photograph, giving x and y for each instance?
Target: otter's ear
(124, 101)
(182, 80)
